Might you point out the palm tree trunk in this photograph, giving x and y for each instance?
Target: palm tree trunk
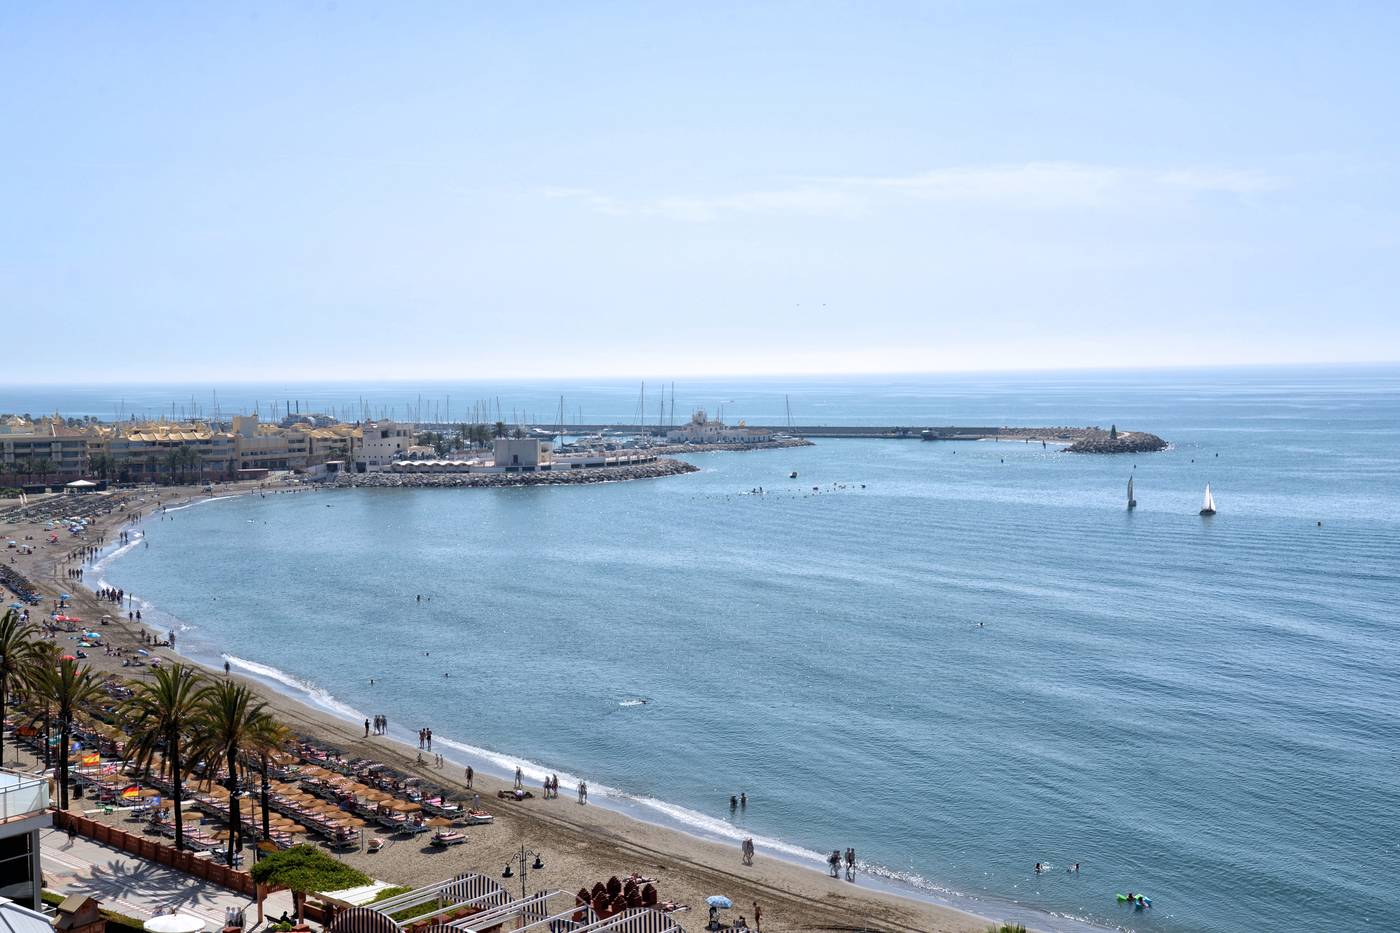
(4, 693)
(233, 822)
(64, 725)
(177, 793)
(266, 817)
(48, 753)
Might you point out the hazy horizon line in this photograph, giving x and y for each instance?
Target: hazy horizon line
(718, 376)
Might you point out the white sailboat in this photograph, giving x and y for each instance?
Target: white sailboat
(1208, 504)
(1132, 503)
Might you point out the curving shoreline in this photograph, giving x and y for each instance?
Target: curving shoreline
(602, 840)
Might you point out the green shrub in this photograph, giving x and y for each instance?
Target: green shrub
(1008, 928)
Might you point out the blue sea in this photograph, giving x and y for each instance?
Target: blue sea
(959, 658)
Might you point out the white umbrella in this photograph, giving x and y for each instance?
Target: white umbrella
(174, 923)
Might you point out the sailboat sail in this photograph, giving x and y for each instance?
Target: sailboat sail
(1208, 505)
(1130, 489)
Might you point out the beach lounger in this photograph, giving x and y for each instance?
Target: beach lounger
(449, 838)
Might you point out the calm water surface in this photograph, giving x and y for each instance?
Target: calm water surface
(960, 659)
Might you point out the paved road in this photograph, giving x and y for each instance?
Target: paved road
(137, 888)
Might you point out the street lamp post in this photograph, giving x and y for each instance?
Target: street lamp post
(523, 859)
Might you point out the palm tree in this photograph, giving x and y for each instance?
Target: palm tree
(162, 713)
(269, 737)
(33, 682)
(230, 719)
(68, 686)
(499, 429)
(17, 658)
(101, 465)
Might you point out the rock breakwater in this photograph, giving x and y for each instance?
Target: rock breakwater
(706, 448)
(650, 470)
(1124, 442)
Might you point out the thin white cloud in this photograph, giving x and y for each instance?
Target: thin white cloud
(1032, 185)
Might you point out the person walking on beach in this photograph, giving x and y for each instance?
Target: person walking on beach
(757, 917)
(366, 728)
(422, 737)
(582, 792)
(850, 864)
(833, 862)
(470, 774)
(429, 734)
(519, 778)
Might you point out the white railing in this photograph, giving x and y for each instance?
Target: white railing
(22, 795)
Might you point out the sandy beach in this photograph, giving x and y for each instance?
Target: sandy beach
(580, 844)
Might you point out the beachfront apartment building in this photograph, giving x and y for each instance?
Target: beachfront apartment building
(267, 446)
(24, 811)
(329, 443)
(382, 443)
(44, 447)
(150, 452)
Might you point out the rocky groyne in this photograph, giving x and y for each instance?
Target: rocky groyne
(614, 474)
(1124, 442)
(706, 448)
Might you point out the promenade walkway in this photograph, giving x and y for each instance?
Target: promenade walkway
(131, 886)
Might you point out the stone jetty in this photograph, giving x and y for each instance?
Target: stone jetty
(1124, 442)
(615, 474)
(778, 444)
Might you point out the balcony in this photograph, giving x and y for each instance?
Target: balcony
(22, 796)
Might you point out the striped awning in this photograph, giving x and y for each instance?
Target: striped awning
(362, 920)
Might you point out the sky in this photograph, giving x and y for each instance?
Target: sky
(337, 190)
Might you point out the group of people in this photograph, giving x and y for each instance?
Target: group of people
(736, 803)
(746, 850)
(111, 594)
(835, 860)
(425, 739)
(381, 725)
